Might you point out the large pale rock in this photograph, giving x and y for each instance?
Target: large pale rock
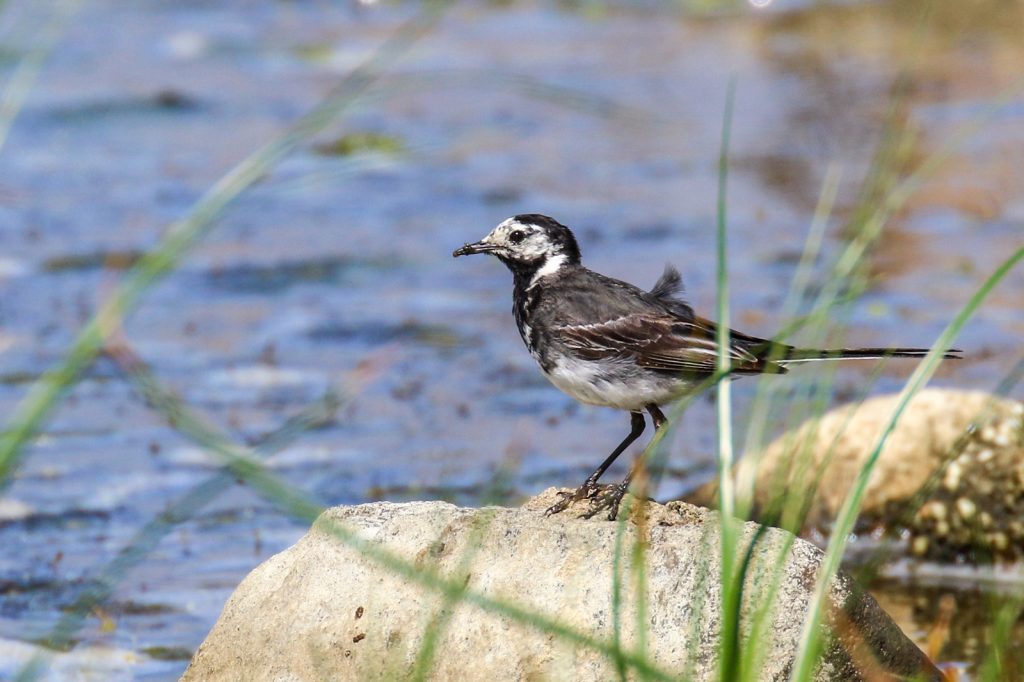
(323, 610)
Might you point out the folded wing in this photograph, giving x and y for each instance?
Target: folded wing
(665, 342)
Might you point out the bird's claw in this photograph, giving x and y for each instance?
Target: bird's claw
(610, 499)
(601, 497)
(588, 491)
(613, 505)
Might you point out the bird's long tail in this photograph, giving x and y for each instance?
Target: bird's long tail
(814, 355)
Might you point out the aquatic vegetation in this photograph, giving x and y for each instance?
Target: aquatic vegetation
(361, 143)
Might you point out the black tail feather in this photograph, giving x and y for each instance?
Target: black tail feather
(811, 354)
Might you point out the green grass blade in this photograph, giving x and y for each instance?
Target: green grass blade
(729, 642)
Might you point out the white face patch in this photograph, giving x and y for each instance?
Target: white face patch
(533, 246)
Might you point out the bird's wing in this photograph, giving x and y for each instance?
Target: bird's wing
(662, 342)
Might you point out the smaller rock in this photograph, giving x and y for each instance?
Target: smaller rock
(954, 492)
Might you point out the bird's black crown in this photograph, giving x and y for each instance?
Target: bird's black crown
(558, 234)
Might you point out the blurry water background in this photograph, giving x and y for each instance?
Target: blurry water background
(336, 268)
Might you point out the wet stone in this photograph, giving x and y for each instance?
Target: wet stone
(949, 482)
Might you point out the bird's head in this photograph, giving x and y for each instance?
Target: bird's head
(529, 242)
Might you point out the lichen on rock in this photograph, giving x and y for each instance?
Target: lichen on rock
(975, 508)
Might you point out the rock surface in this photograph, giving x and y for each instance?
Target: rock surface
(323, 610)
(967, 489)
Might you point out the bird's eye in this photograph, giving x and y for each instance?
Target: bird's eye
(517, 236)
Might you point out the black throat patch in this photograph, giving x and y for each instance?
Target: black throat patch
(525, 299)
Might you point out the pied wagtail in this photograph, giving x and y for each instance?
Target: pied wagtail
(606, 342)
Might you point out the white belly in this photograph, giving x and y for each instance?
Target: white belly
(623, 386)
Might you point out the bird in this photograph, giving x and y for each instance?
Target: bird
(609, 343)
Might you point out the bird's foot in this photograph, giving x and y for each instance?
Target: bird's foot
(600, 497)
(588, 491)
(609, 498)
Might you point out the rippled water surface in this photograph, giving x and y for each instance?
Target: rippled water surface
(336, 268)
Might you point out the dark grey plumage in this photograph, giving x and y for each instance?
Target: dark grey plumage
(606, 342)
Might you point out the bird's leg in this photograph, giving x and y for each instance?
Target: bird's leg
(590, 487)
(617, 492)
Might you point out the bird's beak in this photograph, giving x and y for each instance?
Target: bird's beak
(469, 249)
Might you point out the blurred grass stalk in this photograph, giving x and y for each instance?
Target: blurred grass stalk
(794, 485)
(811, 635)
(885, 193)
(183, 235)
(184, 508)
(27, 71)
(869, 229)
(736, 497)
